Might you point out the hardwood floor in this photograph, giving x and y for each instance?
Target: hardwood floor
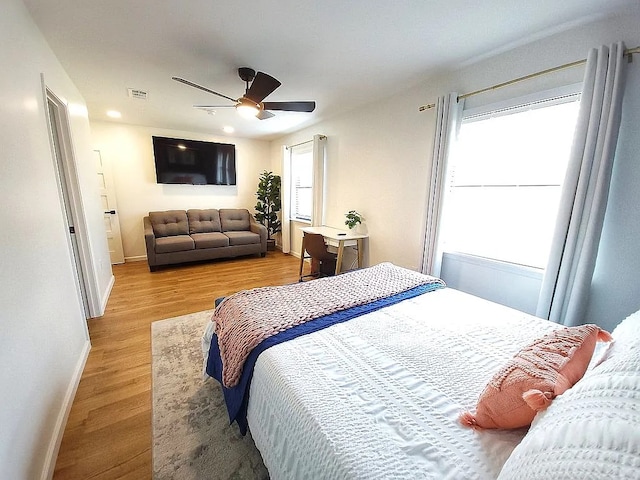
(108, 434)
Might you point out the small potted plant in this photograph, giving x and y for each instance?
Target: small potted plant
(268, 205)
(353, 219)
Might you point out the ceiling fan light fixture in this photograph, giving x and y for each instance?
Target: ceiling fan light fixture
(246, 108)
(251, 104)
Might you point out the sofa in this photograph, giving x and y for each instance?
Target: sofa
(179, 236)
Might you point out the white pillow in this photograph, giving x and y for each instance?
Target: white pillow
(592, 431)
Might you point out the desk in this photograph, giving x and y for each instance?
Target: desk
(337, 238)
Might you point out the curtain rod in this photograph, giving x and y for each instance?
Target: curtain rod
(321, 137)
(629, 52)
(298, 144)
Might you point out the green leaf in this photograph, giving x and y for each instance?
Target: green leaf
(269, 202)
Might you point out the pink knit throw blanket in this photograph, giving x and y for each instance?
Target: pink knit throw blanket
(246, 318)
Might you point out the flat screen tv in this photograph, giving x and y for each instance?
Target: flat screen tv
(194, 162)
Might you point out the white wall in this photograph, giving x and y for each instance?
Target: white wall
(376, 164)
(379, 156)
(515, 286)
(129, 149)
(44, 338)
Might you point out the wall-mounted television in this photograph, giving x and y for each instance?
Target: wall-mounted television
(194, 162)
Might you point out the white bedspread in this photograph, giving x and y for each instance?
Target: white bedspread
(378, 397)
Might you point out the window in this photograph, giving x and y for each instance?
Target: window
(505, 178)
(302, 182)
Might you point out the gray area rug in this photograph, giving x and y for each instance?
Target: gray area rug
(192, 438)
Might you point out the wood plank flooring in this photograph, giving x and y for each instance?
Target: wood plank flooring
(108, 434)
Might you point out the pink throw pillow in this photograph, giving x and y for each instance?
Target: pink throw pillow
(535, 376)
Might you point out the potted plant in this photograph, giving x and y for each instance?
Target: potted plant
(268, 205)
(353, 219)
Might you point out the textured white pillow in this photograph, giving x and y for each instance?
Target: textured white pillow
(592, 431)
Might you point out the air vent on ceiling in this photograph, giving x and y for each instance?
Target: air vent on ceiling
(135, 93)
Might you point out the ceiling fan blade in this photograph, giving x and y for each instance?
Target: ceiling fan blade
(262, 86)
(263, 115)
(200, 87)
(290, 106)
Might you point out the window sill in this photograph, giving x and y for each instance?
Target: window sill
(298, 220)
(533, 272)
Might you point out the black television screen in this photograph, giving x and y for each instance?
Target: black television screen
(194, 162)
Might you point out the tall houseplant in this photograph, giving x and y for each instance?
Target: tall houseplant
(269, 204)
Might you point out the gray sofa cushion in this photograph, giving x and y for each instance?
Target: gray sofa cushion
(235, 219)
(203, 221)
(169, 223)
(175, 243)
(210, 240)
(242, 238)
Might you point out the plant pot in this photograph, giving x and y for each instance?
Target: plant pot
(271, 244)
(359, 229)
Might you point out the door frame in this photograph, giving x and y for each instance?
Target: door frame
(83, 269)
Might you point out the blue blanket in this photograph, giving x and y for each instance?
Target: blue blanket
(237, 398)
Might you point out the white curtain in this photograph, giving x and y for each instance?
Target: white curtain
(565, 288)
(448, 117)
(285, 195)
(319, 152)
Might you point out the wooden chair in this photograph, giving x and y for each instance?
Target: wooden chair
(323, 262)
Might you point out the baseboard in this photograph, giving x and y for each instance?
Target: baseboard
(138, 258)
(297, 255)
(107, 294)
(61, 422)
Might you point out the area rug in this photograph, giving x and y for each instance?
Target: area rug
(192, 438)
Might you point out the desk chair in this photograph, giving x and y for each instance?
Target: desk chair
(323, 262)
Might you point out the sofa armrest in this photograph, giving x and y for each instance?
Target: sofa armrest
(261, 230)
(150, 243)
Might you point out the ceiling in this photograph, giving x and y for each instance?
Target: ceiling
(341, 54)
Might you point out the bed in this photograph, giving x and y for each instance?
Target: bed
(379, 395)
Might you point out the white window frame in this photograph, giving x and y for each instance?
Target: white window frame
(318, 146)
(548, 97)
(299, 153)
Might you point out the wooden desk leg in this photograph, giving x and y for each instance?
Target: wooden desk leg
(360, 252)
(301, 259)
(339, 259)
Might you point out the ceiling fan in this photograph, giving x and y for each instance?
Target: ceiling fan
(251, 103)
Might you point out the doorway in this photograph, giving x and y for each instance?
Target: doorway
(59, 131)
